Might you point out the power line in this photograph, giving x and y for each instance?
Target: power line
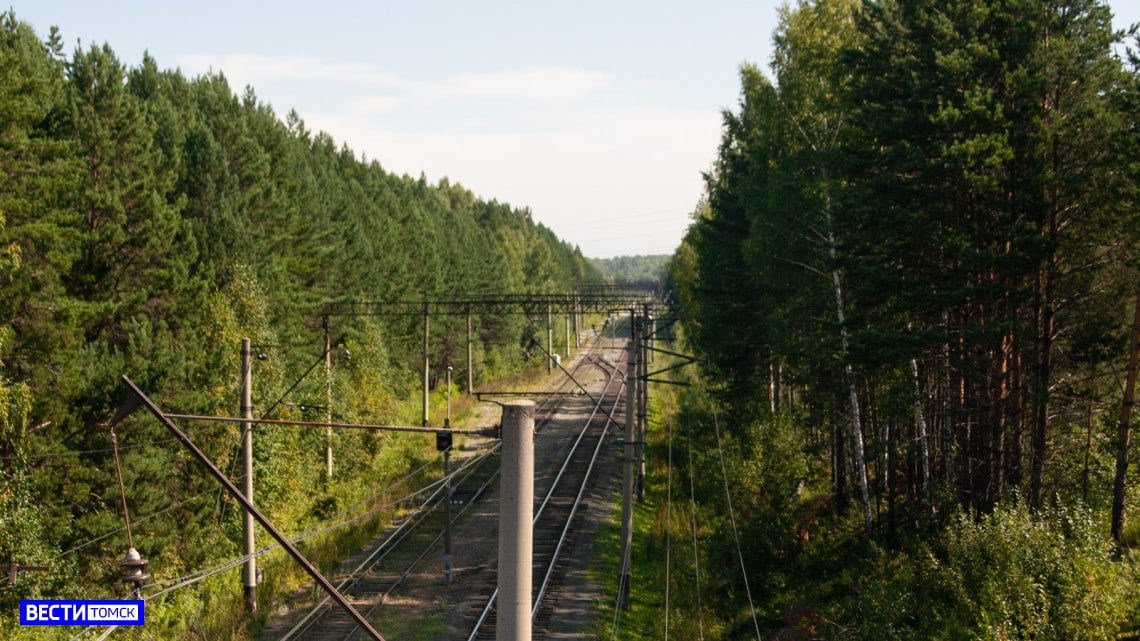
(735, 531)
(693, 513)
(78, 452)
(668, 526)
(212, 490)
(137, 521)
(195, 577)
(483, 431)
(233, 457)
(190, 579)
(320, 360)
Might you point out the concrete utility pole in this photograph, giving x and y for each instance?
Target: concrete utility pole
(516, 515)
(328, 402)
(549, 337)
(470, 361)
(249, 576)
(627, 464)
(577, 323)
(138, 400)
(447, 558)
(652, 335)
(643, 399)
(427, 328)
(567, 354)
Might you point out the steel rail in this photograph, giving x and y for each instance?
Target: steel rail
(577, 499)
(395, 539)
(386, 547)
(398, 537)
(428, 548)
(554, 558)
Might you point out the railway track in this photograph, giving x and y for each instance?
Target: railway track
(555, 525)
(382, 567)
(378, 572)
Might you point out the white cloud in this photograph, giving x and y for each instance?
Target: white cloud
(538, 84)
(255, 67)
(552, 84)
(534, 86)
(614, 181)
(374, 105)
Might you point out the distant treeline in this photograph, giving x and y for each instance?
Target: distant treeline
(632, 267)
(148, 221)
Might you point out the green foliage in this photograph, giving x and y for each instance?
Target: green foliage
(923, 229)
(1016, 575)
(631, 267)
(148, 222)
(1010, 574)
(904, 238)
(22, 531)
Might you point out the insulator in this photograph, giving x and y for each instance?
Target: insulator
(133, 565)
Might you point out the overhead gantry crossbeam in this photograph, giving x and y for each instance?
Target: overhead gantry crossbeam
(526, 304)
(587, 298)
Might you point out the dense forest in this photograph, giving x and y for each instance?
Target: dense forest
(148, 221)
(913, 285)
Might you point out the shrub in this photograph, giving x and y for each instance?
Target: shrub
(1018, 575)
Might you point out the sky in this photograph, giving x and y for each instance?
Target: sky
(598, 116)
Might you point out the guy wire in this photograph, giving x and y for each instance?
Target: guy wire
(122, 491)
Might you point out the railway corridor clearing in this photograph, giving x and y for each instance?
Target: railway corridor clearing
(423, 607)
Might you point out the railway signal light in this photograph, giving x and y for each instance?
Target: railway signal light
(443, 438)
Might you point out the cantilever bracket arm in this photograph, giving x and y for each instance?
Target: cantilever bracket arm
(137, 399)
(570, 376)
(688, 360)
(668, 382)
